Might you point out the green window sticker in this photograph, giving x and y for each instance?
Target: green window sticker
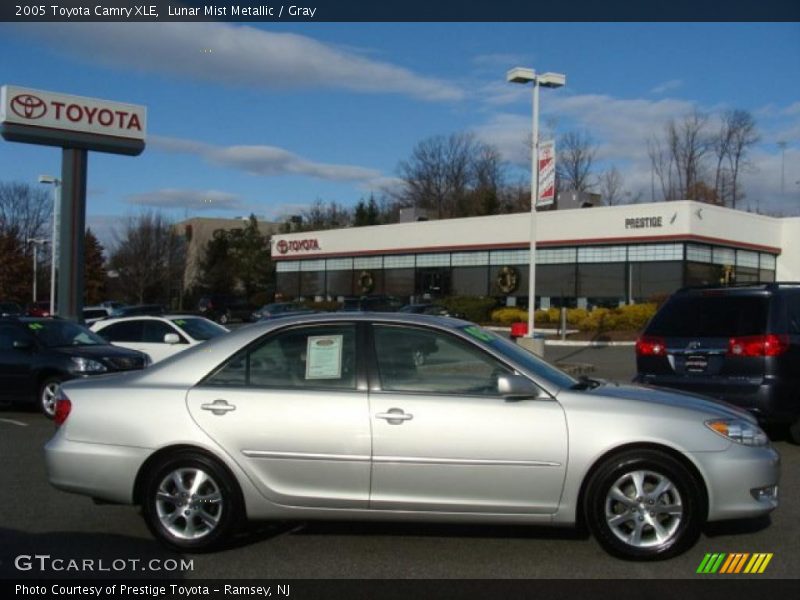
(35, 326)
(180, 322)
(479, 333)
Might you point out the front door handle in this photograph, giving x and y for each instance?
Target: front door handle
(395, 416)
(218, 407)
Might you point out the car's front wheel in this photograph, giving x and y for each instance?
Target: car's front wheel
(645, 505)
(48, 390)
(190, 502)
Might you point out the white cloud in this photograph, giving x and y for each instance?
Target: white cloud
(196, 200)
(667, 86)
(238, 55)
(621, 128)
(264, 160)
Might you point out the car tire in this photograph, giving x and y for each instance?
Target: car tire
(46, 398)
(794, 432)
(186, 514)
(645, 505)
(224, 318)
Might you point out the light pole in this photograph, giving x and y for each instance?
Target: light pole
(550, 80)
(56, 183)
(36, 243)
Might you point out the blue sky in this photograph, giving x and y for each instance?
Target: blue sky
(276, 116)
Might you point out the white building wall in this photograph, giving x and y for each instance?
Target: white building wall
(628, 223)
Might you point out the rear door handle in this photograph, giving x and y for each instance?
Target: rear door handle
(395, 416)
(218, 407)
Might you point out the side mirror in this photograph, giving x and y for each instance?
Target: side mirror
(23, 345)
(171, 338)
(516, 387)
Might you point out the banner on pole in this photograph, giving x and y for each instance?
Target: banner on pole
(547, 173)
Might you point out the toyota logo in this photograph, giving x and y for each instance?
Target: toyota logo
(28, 106)
(283, 246)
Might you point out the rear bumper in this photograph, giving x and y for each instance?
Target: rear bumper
(101, 471)
(769, 400)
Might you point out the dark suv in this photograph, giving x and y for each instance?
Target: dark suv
(738, 343)
(224, 309)
(36, 355)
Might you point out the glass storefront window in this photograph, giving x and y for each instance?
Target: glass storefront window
(651, 281)
(470, 281)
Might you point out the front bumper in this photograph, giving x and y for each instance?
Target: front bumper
(734, 474)
(101, 471)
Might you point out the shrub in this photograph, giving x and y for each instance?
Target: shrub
(474, 308)
(635, 316)
(509, 315)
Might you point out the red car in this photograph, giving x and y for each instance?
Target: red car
(38, 309)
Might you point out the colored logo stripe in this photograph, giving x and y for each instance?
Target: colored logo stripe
(737, 562)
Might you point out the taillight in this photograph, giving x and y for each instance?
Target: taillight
(758, 345)
(648, 345)
(63, 408)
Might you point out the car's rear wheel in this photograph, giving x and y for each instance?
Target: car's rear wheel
(48, 390)
(794, 432)
(190, 502)
(645, 505)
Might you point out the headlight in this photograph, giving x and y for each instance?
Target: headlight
(739, 431)
(87, 365)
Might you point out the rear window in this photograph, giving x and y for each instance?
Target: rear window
(711, 316)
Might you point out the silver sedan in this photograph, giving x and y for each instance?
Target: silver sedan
(329, 416)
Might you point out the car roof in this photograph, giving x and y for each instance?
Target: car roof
(167, 317)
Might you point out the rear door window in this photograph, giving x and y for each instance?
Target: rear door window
(711, 316)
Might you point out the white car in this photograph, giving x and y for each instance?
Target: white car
(159, 336)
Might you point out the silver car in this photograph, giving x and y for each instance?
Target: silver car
(328, 416)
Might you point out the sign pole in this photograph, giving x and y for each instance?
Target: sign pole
(72, 225)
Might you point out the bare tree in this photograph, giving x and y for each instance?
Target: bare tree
(445, 174)
(743, 136)
(149, 258)
(688, 143)
(25, 210)
(662, 164)
(575, 156)
(611, 183)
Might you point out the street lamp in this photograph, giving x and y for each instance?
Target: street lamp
(56, 183)
(36, 243)
(550, 80)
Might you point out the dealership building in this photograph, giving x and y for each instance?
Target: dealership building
(585, 257)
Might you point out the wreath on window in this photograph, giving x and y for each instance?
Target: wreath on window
(366, 282)
(507, 280)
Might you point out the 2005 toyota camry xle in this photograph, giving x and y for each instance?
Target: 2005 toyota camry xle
(329, 416)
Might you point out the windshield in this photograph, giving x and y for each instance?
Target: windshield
(711, 316)
(57, 334)
(522, 357)
(200, 329)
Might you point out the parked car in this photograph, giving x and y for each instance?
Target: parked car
(224, 309)
(278, 310)
(38, 309)
(36, 355)
(326, 416)
(430, 308)
(372, 303)
(92, 314)
(10, 309)
(158, 336)
(138, 309)
(738, 343)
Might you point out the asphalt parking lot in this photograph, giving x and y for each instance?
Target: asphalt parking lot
(39, 520)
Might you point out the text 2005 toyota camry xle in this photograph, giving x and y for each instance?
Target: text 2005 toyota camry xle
(329, 416)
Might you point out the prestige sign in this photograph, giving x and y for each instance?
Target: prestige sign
(55, 119)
